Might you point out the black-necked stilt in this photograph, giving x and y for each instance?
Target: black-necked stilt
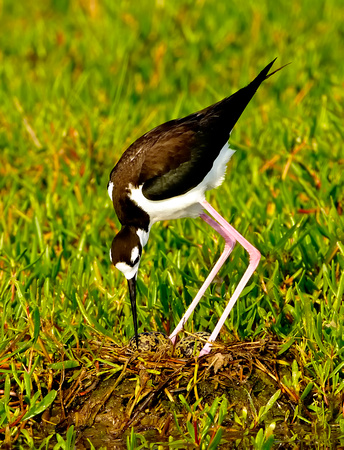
(164, 175)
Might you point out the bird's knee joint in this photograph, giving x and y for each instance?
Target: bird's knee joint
(229, 244)
(255, 258)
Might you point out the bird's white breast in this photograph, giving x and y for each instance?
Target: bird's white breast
(188, 204)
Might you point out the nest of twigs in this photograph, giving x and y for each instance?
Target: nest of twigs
(122, 389)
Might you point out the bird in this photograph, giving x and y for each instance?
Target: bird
(164, 175)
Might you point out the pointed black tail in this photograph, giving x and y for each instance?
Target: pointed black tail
(232, 107)
(263, 75)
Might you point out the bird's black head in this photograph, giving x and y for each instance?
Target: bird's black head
(126, 251)
(125, 254)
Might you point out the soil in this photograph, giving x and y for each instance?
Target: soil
(124, 389)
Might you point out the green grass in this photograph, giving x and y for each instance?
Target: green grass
(81, 80)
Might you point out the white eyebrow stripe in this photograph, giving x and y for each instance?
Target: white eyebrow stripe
(134, 254)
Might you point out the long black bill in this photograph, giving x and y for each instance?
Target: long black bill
(132, 292)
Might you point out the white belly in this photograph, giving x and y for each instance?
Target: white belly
(188, 204)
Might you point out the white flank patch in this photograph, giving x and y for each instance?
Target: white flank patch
(215, 177)
(110, 189)
(188, 204)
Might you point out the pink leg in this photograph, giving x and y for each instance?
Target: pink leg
(229, 245)
(254, 261)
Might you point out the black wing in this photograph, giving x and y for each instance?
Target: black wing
(184, 150)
